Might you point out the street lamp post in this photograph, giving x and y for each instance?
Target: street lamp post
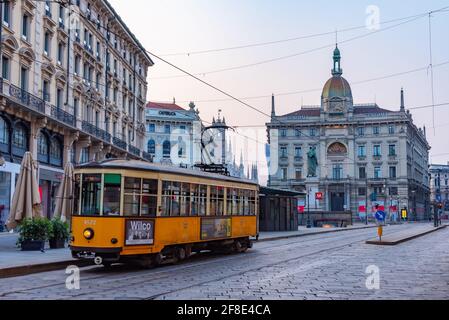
(366, 200)
(1, 38)
(309, 223)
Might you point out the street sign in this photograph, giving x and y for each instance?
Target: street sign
(438, 197)
(319, 196)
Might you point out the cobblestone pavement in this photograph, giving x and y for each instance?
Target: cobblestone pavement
(330, 266)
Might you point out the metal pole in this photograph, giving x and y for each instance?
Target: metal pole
(366, 203)
(1, 38)
(309, 224)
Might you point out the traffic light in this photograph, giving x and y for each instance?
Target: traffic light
(440, 206)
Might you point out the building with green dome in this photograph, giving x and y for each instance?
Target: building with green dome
(356, 155)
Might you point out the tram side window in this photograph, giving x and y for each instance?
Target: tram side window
(185, 199)
(91, 193)
(199, 200)
(246, 208)
(232, 201)
(149, 198)
(131, 205)
(216, 201)
(171, 197)
(76, 195)
(252, 203)
(111, 195)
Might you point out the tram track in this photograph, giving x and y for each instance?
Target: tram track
(332, 242)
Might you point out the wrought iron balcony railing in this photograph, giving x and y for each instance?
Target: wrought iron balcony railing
(63, 116)
(95, 131)
(119, 143)
(135, 151)
(26, 98)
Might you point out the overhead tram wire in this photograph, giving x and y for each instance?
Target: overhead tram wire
(299, 53)
(267, 43)
(319, 89)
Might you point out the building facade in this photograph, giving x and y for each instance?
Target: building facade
(173, 133)
(72, 88)
(355, 156)
(439, 185)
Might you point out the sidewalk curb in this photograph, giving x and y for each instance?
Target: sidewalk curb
(313, 234)
(412, 237)
(38, 268)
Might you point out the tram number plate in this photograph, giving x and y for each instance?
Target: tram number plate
(218, 228)
(139, 232)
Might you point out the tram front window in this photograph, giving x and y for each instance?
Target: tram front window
(111, 196)
(91, 195)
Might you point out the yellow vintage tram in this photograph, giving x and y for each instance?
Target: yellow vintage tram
(134, 210)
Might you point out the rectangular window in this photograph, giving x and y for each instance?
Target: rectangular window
(198, 195)
(232, 201)
(392, 150)
(298, 174)
(47, 44)
(60, 53)
(216, 201)
(377, 151)
(25, 27)
(284, 173)
(394, 191)
(112, 194)
(283, 133)
(312, 132)
(151, 128)
(46, 91)
(171, 193)
(298, 152)
(131, 205)
(91, 194)
(59, 98)
(361, 131)
(337, 172)
(298, 133)
(377, 173)
(24, 79)
(376, 130)
(362, 191)
(167, 129)
(6, 13)
(362, 172)
(361, 151)
(284, 152)
(391, 130)
(5, 68)
(392, 172)
(149, 197)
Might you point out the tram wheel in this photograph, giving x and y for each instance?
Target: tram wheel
(181, 253)
(157, 259)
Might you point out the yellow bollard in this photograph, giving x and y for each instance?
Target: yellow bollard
(380, 232)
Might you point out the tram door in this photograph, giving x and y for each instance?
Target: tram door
(337, 201)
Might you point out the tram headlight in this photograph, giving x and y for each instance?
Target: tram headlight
(88, 234)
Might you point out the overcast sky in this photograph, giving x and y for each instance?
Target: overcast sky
(166, 27)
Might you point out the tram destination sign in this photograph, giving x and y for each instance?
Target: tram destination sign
(139, 232)
(215, 228)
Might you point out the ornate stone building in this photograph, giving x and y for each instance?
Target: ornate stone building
(439, 185)
(351, 153)
(72, 88)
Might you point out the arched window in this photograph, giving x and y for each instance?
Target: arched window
(166, 149)
(20, 139)
(151, 147)
(4, 131)
(43, 147)
(56, 152)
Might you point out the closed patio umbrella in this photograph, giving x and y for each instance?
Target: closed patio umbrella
(26, 202)
(64, 197)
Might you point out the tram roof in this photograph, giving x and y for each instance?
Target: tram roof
(140, 165)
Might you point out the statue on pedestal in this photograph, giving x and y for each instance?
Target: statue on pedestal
(312, 163)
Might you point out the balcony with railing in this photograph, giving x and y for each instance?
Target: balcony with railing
(63, 116)
(133, 150)
(96, 132)
(119, 143)
(23, 97)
